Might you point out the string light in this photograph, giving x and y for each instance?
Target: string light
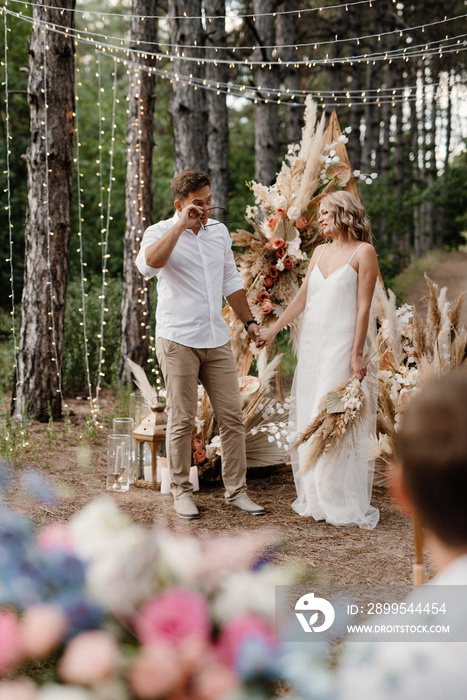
(48, 231)
(411, 52)
(253, 16)
(105, 254)
(8, 207)
(80, 250)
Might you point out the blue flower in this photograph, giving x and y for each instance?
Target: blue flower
(39, 487)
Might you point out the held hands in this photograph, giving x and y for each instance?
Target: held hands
(266, 336)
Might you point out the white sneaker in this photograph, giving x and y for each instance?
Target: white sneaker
(185, 507)
(245, 503)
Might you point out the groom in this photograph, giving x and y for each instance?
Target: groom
(192, 258)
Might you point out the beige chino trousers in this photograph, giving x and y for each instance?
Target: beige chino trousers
(182, 368)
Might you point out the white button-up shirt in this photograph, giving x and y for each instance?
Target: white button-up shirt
(190, 286)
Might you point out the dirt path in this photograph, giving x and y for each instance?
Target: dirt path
(451, 273)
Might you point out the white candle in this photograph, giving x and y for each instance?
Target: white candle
(147, 472)
(161, 462)
(118, 459)
(165, 480)
(193, 478)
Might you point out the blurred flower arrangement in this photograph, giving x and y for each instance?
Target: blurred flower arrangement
(102, 609)
(273, 259)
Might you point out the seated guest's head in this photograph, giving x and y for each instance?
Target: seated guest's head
(431, 470)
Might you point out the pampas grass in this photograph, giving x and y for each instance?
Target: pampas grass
(327, 430)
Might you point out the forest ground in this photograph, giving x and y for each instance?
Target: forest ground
(339, 555)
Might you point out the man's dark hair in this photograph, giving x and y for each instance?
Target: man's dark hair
(188, 181)
(432, 448)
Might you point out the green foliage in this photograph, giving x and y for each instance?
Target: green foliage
(74, 359)
(14, 437)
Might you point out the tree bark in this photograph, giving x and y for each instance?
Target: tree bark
(47, 227)
(188, 106)
(138, 187)
(286, 38)
(266, 108)
(218, 122)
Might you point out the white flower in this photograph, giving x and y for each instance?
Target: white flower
(280, 264)
(214, 447)
(293, 213)
(374, 176)
(251, 212)
(368, 180)
(332, 153)
(356, 173)
(343, 139)
(348, 129)
(280, 202)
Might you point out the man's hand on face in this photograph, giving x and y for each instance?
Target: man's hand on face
(190, 215)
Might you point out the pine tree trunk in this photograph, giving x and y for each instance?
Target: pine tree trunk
(286, 38)
(188, 106)
(218, 122)
(138, 187)
(47, 227)
(266, 109)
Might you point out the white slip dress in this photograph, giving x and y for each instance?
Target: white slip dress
(338, 488)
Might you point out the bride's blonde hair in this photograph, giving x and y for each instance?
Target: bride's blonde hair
(349, 215)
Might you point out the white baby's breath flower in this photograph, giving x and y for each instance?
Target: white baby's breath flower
(343, 139)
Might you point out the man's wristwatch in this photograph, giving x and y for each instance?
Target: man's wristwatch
(248, 323)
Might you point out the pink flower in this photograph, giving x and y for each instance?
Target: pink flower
(172, 617)
(199, 456)
(42, 629)
(280, 252)
(22, 689)
(262, 296)
(156, 672)
(288, 263)
(56, 536)
(90, 657)
(301, 224)
(272, 221)
(280, 212)
(268, 281)
(278, 243)
(11, 651)
(267, 307)
(215, 681)
(197, 444)
(236, 631)
(273, 272)
(268, 244)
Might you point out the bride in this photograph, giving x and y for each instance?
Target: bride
(336, 297)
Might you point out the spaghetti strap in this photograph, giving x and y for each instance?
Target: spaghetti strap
(321, 254)
(354, 253)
